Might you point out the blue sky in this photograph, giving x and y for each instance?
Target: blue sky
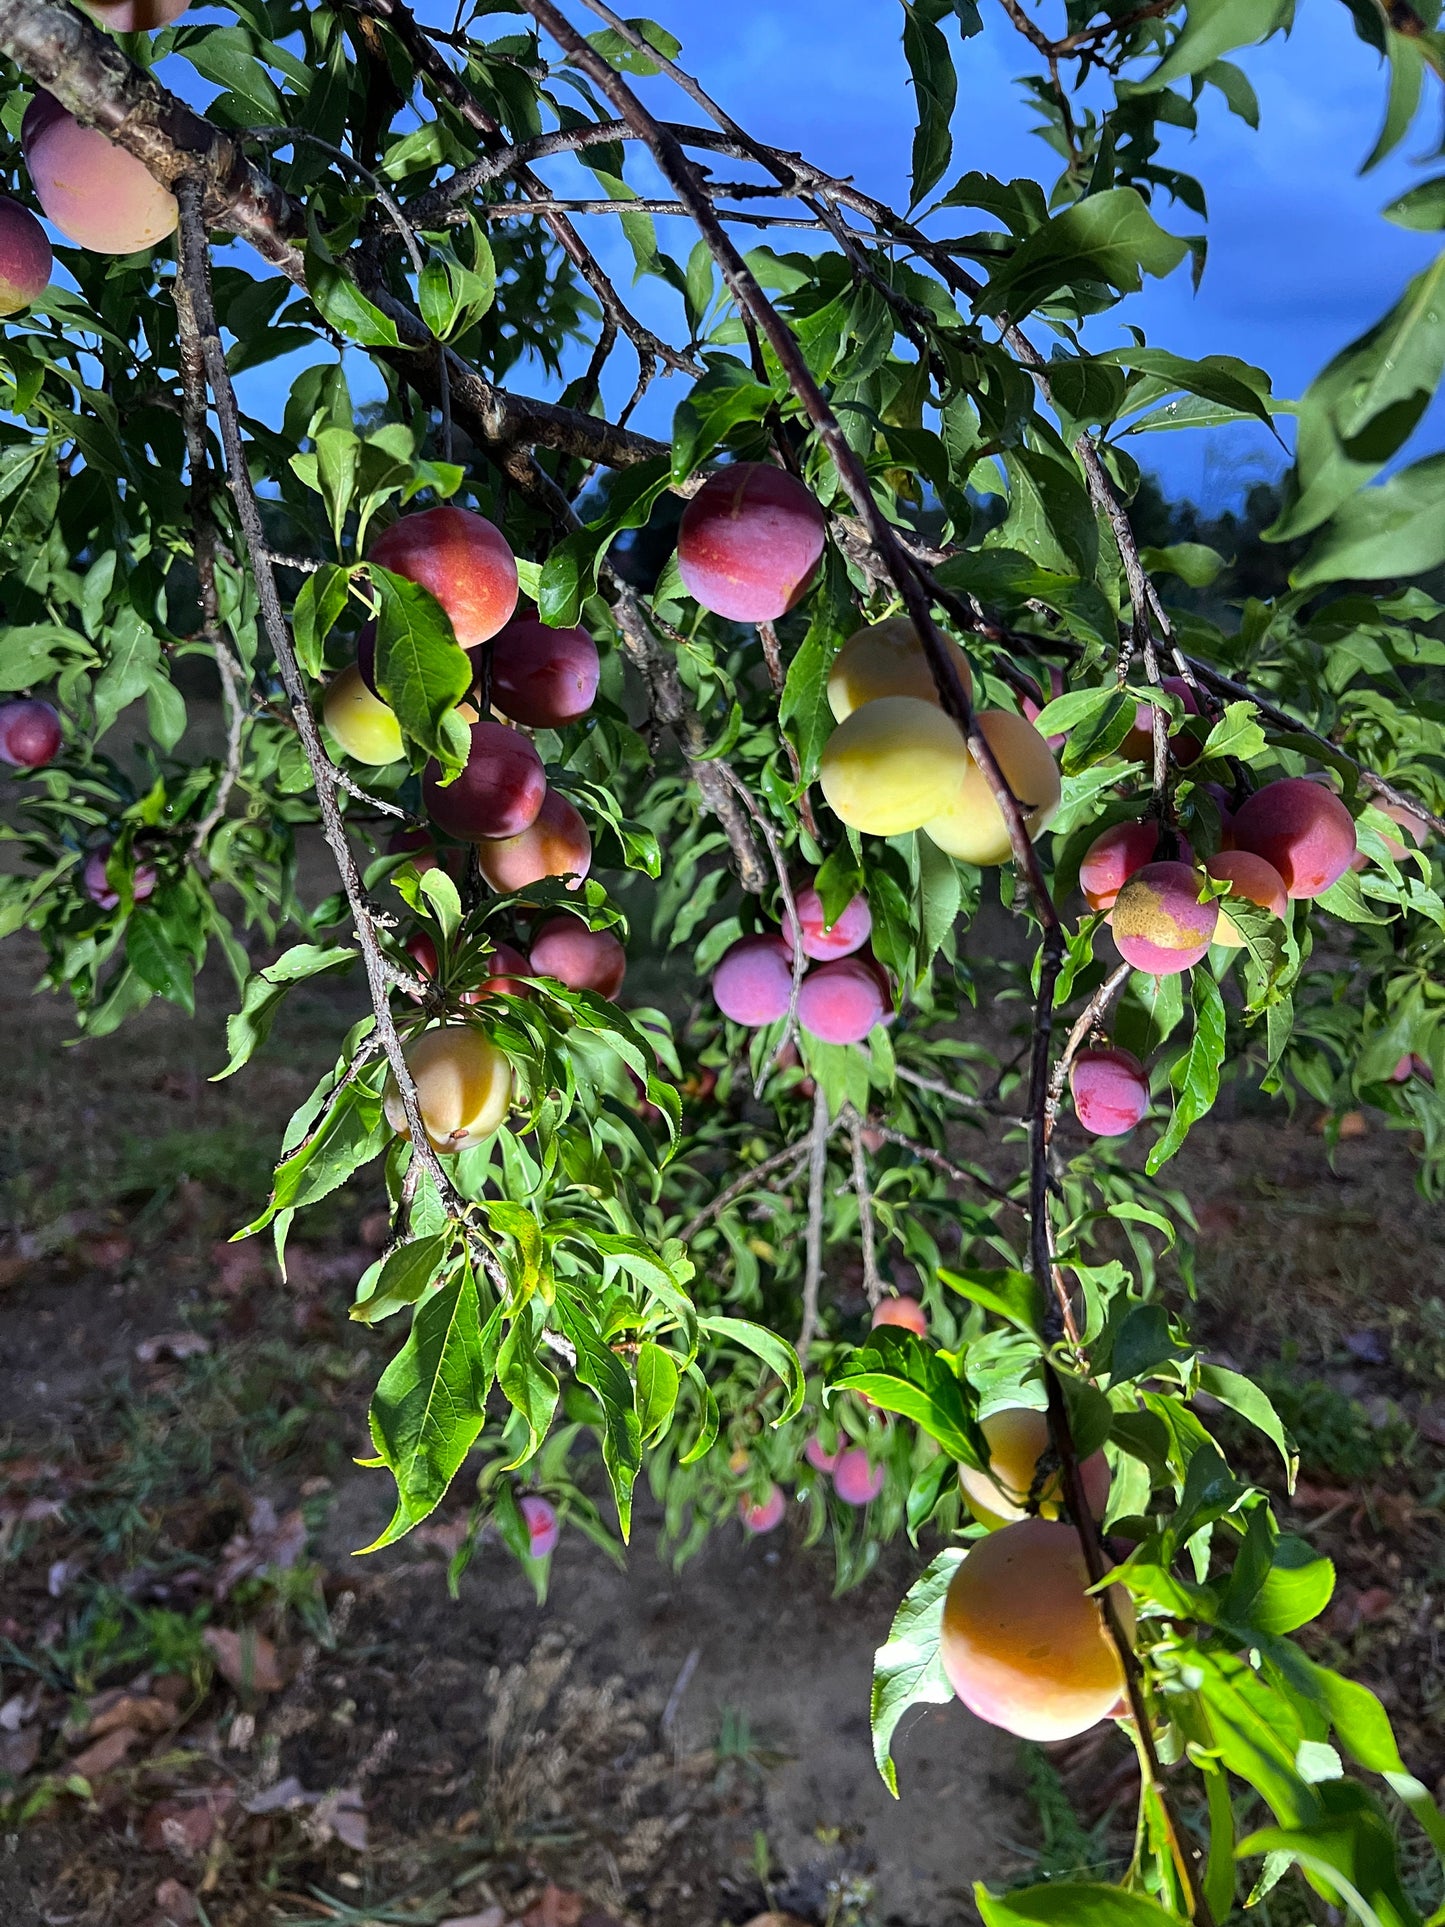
(1300, 258)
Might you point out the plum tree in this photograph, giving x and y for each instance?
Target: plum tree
(753, 983)
(762, 1515)
(30, 733)
(891, 765)
(544, 1528)
(499, 792)
(856, 1479)
(1161, 925)
(364, 728)
(902, 1311)
(462, 559)
(1113, 857)
(750, 542)
(971, 826)
(1023, 1642)
(1011, 1488)
(541, 677)
(97, 194)
(826, 941)
(582, 959)
(1250, 877)
(839, 1003)
(886, 659)
(555, 843)
(1110, 1088)
(1302, 830)
(463, 1087)
(25, 258)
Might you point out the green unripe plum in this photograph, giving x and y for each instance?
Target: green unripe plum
(361, 723)
(886, 659)
(892, 765)
(463, 1087)
(972, 827)
(1024, 1644)
(97, 194)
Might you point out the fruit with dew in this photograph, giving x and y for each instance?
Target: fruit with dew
(582, 959)
(887, 659)
(1110, 1089)
(972, 826)
(364, 728)
(1138, 745)
(543, 1527)
(499, 792)
(891, 765)
(839, 1003)
(541, 677)
(750, 542)
(1413, 824)
(1302, 829)
(1160, 925)
(463, 559)
(903, 1311)
(556, 844)
(1018, 1437)
(1113, 857)
(824, 941)
(1024, 1644)
(463, 1087)
(97, 194)
(821, 1457)
(99, 888)
(762, 1515)
(30, 733)
(136, 16)
(25, 258)
(753, 984)
(1250, 877)
(856, 1480)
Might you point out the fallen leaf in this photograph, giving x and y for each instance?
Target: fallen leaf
(144, 1713)
(285, 1793)
(171, 1345)
(1374, 1603)
(105, 1754)
(267, 1542)
(186, 1826)
(19, 1708)
(489, 1917)
(348, 1823)
(555, 1907)
(245, 1660)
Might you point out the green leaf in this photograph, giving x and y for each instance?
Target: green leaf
(1350, 1851)
(1237, 733)
(338, 299)
(1295, 1590)
(906, 1668)
(935, 84)
(657, 1389)
(774, 1351)
(249, 1027)
(1192, 562)
(600, 1367)
(157, 960)
(404, 1277)
(1012, 1295)
(1215, 27)
(431, 1401)
(619, 51)
(1196, 1079)
(530, 1388)
(422, 671)
(1069, 1903)
(903, 1375)
(1242, 1395)
(1395, 529)
(132, 657)
(1422, 208)
(35, 652)
(1110, 237)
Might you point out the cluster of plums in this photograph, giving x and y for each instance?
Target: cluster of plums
(896, 762)
(541, 678)
(841, 997)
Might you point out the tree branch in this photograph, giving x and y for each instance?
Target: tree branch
(813, 1244)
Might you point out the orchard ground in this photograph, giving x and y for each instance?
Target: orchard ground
(176, 1460)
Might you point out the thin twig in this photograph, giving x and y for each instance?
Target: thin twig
(813, 1245)
(946, 1166)
(939, 1088)
(867, 1234)
(748, 1180)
